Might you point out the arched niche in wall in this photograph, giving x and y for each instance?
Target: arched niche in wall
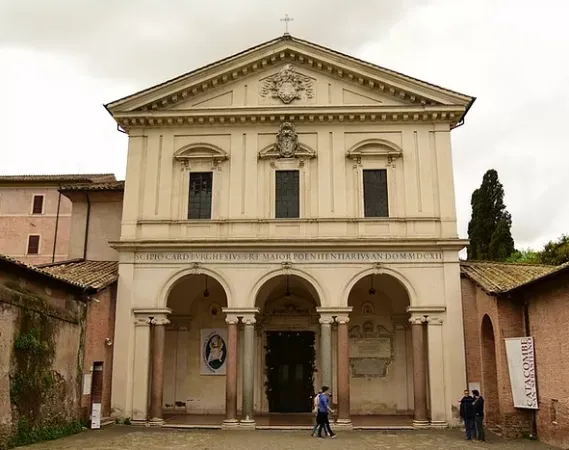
(201, 152)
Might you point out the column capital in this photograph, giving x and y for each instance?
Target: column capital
(326, 320)
(159, 321)
(231, 320)
(141, 321)
(434, 320)
(417, 320)
(343, 319)
(249, 320)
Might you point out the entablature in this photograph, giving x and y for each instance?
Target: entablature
(298, 114)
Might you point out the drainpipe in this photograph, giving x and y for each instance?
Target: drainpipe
(56, 224)
(528, 334)
(86, 224)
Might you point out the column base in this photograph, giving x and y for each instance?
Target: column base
(156, 422)
(247, 424)
(230, 424)
(421, 424)
(344, 424)
(439, 424)
(138, 422)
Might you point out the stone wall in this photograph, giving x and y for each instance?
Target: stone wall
(41, 348)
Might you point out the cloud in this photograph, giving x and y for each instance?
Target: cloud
(151, 40)
(65, 58)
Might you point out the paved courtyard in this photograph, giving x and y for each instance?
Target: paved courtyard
(129, 438)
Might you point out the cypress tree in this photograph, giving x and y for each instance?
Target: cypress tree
(489, 229)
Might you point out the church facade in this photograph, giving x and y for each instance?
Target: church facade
(289, 222)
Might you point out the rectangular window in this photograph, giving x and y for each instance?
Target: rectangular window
(37, 207)
(375, 193)
(287, 192)
(199, 203)
(33, 244)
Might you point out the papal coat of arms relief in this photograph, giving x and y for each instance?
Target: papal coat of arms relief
(287, 140)
(287, 85)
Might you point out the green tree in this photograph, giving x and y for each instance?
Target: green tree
(489, 227)
(556, 252)
(526, 256)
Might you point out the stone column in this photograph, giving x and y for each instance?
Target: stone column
(343, 372)
(248, 371)
(326, 350)
(419, 372)
(436, 371)
(157, 377)
(231, 374)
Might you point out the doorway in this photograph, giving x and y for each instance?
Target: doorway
(290, 357)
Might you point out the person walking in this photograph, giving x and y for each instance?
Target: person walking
(322, 415)
(315, 411)
(467, 415)
(478, 405)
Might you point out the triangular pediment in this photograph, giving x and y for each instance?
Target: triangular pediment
(288, 72)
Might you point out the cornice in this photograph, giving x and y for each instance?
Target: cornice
(297, 114)
(291, 243)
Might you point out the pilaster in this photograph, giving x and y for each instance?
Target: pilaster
(436, 371)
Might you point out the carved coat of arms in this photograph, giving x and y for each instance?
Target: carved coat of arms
(287, 140)
(287, 85)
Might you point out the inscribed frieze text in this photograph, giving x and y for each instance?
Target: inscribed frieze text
(294, 257)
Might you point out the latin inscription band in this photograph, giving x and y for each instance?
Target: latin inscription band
(293, 257)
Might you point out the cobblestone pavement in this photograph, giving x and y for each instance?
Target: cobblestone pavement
(129, 438)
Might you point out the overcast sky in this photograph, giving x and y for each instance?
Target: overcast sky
(61, 60)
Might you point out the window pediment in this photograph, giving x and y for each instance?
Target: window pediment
(374, 148)
(201, 152)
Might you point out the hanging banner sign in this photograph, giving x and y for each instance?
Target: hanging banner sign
(521, 365)
(213, 351)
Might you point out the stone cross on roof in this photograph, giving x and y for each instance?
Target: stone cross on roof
(286, 19)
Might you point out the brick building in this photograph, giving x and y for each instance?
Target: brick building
(513, 300)
(71, 308)
(35, 219)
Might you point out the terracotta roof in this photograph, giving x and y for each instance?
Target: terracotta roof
(60, 178)
(499, 278)
(92, 274)
(86, 275)
(40, 271)
(110, 186)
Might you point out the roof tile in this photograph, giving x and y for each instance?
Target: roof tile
(498, 278)
(110, 186)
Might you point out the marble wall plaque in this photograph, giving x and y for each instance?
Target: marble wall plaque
(369, 367)
(370, 347)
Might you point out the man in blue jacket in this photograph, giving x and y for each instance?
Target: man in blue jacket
(322, 415)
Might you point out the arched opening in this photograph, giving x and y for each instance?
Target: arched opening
(288, 324)
(195, 347)
(489, 372)
(380, 347)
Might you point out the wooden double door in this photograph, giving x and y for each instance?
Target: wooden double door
(290, 360)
